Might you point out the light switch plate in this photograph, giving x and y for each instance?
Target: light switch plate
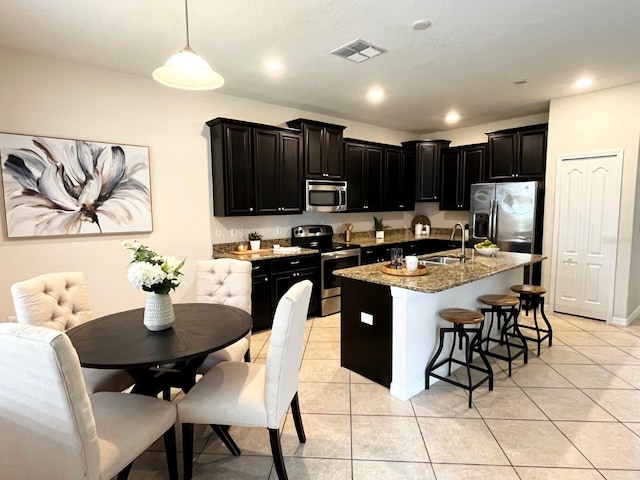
(366, 318)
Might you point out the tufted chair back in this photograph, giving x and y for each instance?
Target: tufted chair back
(225, 280)
(44, 403)
(54, 300)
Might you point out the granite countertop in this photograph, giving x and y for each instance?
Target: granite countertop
(443, 277)
(262, 255)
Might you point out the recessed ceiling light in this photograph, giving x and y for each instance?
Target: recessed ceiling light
(273, 65)
(375, 95)
(452, 117)
(584, 82)
(421, 24)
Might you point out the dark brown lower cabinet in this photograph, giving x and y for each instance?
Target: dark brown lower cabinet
(366, 348)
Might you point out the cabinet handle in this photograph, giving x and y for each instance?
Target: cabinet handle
(435, 197)
(296, 262)
(400, 206)
(257, 267)
(251, 209)
(365, 206)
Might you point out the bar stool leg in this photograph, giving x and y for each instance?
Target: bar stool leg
(427, 371)
(476, 341)
(546, 320)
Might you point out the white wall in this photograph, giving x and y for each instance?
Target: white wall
(603, 120)
(42, 96)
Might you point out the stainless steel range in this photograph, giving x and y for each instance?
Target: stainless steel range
(333, 256)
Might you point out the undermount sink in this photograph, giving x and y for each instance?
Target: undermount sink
(441, 260)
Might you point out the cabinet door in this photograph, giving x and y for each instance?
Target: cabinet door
(450, 181)
(428, 172)
(283, 281)
(373, 178)
(267, 164)
(502, 154)
(239, 171)
(333, 159)
(290, 175)
(261, 310)
(472, 164)
(408, 186)
(313, 151)
(532, 154)
(393, 180)
(354, 160)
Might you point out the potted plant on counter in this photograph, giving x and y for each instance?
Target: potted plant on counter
(379, 227)
(254, 240)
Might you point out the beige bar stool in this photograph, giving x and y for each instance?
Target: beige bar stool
(503, 309)
(471, 335)
(532, 298)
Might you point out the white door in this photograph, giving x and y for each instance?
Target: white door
(588, 209)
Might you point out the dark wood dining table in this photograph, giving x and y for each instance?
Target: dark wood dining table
(159, 360)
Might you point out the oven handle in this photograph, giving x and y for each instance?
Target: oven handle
(354, 252)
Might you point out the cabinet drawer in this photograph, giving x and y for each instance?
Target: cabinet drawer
(295, 263)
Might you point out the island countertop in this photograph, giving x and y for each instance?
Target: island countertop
(443, 277)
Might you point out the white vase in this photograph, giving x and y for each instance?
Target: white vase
(379, 234)
(158, 312)
(255, 244)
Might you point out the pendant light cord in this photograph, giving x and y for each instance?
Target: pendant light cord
(186, 14)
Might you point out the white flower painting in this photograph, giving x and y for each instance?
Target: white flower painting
(56, 186)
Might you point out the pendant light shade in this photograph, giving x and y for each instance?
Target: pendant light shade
(187, 70)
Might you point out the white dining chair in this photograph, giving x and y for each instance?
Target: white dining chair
(52, 428)
(250, 394)
(61, 301)
(226, 281)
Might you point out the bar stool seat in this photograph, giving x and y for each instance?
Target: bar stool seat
(503, 309)
(532, 298)
(471, 334)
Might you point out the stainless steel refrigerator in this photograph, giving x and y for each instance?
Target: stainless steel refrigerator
(510, 215)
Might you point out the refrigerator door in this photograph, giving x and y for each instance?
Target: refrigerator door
(515, 214)
(480, 212)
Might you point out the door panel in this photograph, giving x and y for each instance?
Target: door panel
(587, 226)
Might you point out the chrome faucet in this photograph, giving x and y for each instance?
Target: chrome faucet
(462, 255)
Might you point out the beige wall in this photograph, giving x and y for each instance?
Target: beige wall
(594, 122)
(42, 96)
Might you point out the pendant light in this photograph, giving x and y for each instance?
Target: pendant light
(187, 70)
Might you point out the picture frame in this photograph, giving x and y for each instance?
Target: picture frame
(58, 187)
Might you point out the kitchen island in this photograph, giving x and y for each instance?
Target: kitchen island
(389, 323)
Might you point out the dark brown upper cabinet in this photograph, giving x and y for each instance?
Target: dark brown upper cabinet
(257, 169)
(517, 153)
(363, 170)
(322, 149)
(398, 180)
(460, 167)
(426, 154)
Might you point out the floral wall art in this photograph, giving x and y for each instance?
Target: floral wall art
(55, 186)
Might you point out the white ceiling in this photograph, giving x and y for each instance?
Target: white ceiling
(467, 60)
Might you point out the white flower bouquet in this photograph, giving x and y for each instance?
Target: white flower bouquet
(151, 272)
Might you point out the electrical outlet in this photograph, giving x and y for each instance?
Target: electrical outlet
(218, 233)
(366, 318)
(233, 233)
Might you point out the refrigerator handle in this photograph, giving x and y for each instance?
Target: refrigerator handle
(494, 220)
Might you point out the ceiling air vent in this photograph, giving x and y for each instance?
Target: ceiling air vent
(358, 51)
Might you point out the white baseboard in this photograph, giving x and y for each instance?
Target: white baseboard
(625, 322)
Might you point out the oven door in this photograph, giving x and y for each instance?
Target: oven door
(330, 261)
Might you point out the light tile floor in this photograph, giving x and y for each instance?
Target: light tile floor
(572, 413)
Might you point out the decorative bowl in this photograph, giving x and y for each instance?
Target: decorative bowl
(242, 247)
(488, 251)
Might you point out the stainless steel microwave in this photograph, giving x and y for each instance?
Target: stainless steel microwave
(326, 196)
